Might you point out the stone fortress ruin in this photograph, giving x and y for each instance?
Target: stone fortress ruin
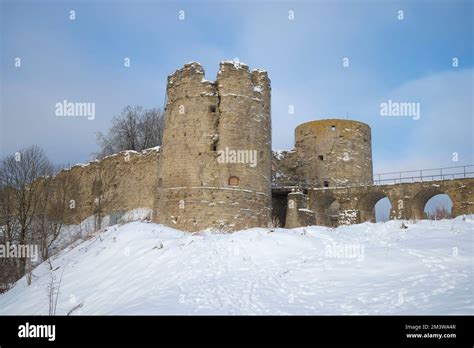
(212, 130)
(216, 169)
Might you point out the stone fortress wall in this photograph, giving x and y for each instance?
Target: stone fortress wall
(199, 184)
(332, 163)
(111, 186)
(215, 168)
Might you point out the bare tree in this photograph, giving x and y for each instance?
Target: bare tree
(20, 173)
(134, 129)
(55, 198)
(8, 221)
(8, 231)
(150, 129)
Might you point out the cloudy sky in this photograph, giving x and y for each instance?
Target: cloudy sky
(82, 60)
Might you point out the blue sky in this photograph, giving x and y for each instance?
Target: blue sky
(82, 61)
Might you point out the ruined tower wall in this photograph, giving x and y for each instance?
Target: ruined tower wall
(204, 122)
(334, 152)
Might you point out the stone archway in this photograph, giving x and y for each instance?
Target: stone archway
(333, 212)
(320, 205)
(420, 199)
(366, 205)
(438, 207)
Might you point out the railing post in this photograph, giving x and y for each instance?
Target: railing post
(441, 173)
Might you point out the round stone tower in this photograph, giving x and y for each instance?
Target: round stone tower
(334, 152)
(215, 163)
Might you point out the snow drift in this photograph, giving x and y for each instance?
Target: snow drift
(146, 268)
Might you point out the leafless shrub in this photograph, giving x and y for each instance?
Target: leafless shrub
(440, 212)
(53, 290)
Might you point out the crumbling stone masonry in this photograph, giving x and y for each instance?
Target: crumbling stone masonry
(332, 162)
(334, 153)
(113, 185)
(327, 153)
(215, 165)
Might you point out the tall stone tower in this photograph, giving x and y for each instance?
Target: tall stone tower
(215, 164)
(334, 152)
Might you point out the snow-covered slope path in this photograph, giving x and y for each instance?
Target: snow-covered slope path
(145, 268)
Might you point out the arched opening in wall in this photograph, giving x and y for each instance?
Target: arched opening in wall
(374, 206)
(234, 181)
(333, 213)
(279, 207)
(438, 207)
(382, 210)
(419, 208)
(320, 205)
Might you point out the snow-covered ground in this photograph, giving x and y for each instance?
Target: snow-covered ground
(145, 268)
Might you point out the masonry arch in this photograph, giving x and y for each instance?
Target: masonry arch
(333, 213)
(418, 203)
(383, 210)
(321, 205)
(366, 205)
(438, 207)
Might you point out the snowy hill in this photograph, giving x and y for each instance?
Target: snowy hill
(145, 268)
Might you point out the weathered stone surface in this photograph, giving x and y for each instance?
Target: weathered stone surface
(298, 213)
(407, 199)
(327, 153)
(117, 183)
(204, 120)
(192, 183)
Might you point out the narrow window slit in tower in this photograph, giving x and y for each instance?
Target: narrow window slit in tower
(326, 184)
(212, 108)
(321, 157)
